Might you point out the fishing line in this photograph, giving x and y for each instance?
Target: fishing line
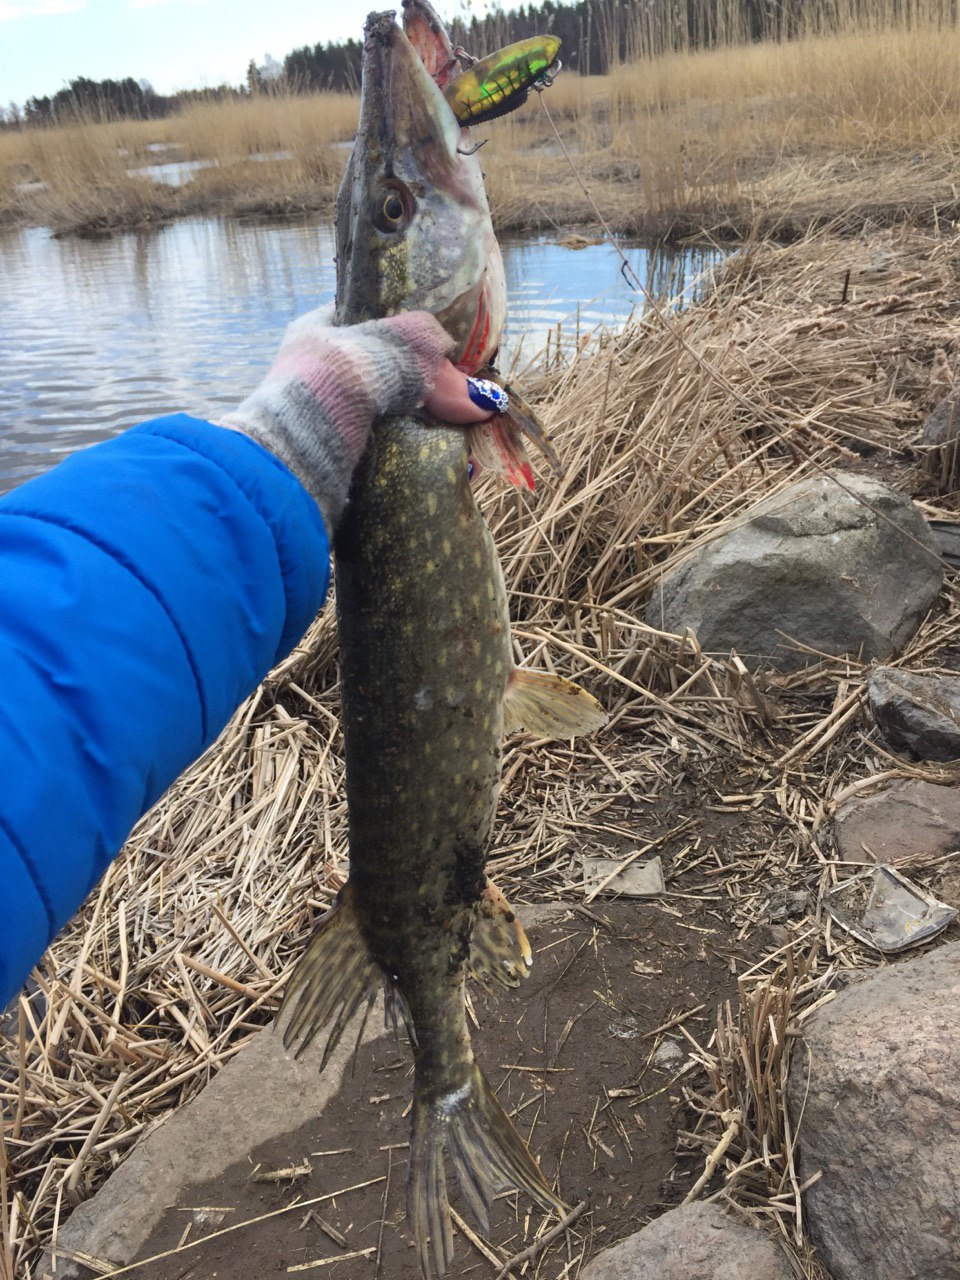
(745, 402)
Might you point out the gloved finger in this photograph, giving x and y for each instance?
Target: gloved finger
(450, 399)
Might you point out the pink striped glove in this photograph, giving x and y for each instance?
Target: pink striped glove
(317, 403)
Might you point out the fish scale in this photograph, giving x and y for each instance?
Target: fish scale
(423, 761)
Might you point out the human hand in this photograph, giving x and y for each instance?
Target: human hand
(463, 401)
(318, 401)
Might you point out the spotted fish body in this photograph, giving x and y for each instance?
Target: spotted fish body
(427, 675)
(425, 644)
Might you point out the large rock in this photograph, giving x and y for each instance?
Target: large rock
(939, 434)
(907, 819)
(813, 564)
(696, 1242)
(917, 713)
(876, 1097)
(231, 1117)
(942, 426)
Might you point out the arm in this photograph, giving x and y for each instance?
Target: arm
(149, 583)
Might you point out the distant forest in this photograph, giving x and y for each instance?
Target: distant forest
(596, 35)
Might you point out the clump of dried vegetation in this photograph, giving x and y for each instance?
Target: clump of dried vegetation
(268, 154)
(857, 114)
(804, 357)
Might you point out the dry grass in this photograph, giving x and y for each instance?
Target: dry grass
(182, 951)
(270, 153)
(778, 135)
(771, 136)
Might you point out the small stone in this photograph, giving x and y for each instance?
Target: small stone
(917, 713)
(785, 904)
(939, 434)
(695, 1242)
(667, 1056)
(907, 819)
(942, 426)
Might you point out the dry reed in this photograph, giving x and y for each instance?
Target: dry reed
(776, 135)
(182, 951)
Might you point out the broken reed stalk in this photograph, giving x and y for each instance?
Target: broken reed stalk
(180, 954)
(744, 1122)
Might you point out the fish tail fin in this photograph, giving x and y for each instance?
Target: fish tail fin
(334, 975)
(488, 1156)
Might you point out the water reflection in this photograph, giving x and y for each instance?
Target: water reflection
(96, 335)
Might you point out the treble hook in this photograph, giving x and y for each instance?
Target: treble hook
(472, 150)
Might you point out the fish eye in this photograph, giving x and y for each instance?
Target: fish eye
(394, 208)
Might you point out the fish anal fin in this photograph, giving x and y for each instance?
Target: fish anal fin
(549, 706)
(334, 976)
(488, 1156)
(499, 950)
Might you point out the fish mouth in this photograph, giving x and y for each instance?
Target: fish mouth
(428, 36)
(401, 106)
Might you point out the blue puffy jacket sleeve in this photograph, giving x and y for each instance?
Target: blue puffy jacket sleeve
(147, 585)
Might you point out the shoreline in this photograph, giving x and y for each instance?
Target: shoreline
(738, 222)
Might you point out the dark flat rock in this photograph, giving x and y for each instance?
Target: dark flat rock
(917, 713)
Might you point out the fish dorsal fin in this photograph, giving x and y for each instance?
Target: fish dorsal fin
(334, 975)
(549, 706)
(499, 950)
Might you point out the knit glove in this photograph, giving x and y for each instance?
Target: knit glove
(317, 403)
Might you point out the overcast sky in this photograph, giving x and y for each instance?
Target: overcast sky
(175, 44)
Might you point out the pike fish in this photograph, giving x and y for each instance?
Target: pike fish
(429, 684)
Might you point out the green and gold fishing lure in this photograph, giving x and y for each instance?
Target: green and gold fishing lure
(500, 82)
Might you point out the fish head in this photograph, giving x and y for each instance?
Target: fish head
(413, 224)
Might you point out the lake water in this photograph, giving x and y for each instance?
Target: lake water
(97, 335)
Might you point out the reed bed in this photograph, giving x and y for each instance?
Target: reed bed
(778, 135)
(775, 137)
(271, 154)
(823, 353)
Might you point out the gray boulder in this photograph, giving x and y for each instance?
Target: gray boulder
(940, 435)
(812, 564)
(942, 426)
(917, 713)
(876, 1098)
(907, 819)
(696, 1242)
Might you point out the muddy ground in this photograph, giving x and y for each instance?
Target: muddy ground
(578, 1057)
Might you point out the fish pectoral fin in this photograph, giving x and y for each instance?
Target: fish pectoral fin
(549, 706)
(488, 1156)
(520, 422)
(334, 975)
(499, 950)
(497, 446)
